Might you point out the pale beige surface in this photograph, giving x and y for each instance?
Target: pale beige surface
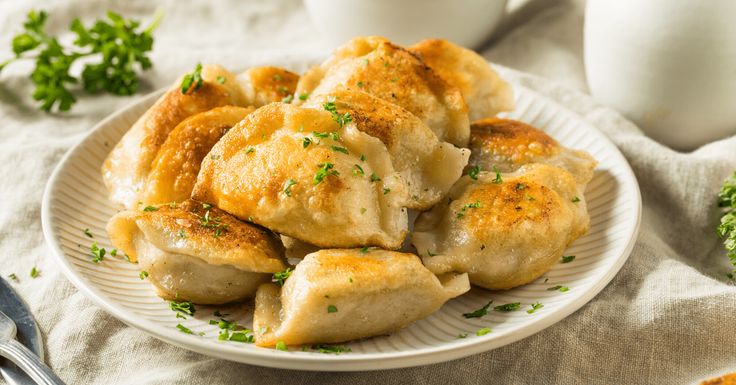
(666, 318)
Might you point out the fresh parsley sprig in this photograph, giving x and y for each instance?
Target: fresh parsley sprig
(727, 227)
(120, 44)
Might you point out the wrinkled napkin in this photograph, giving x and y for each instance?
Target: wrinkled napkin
(669, 316)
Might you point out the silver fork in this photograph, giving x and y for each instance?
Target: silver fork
(21, 356)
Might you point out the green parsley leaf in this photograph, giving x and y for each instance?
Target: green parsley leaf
(221, 79)
(465, 207)
(479, 312)
(287, 99)
(306, 142)
(143, 275)
(211, 223)
(358, 171)
(508, 307)
(249, 150)
(287, 187)
(575, 199)
(150, 208)
(13, 277)
(567, 258)
(483, 331)
(88, 233)
(35, 272)
(559, 288)
(462, 335)
(362, 157)
(330, 349)
(727, 228)
(98, 254)
(520, 186)
(186, 307)
(304, 96)
(374, 177)
(386, 190)
(332, 309)
(281, 277)
(430, 254)
(192, 80)
(535, 306)
(332, 108)
(280, 345)
(473, 173)
(181, 234)
(184, 329)
(339, 149)
(325, 169)
(497, 179)
(361, 84)
(364, 249)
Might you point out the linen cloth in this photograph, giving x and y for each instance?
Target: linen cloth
(669, 316)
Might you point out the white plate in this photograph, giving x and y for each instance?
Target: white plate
(75, 199)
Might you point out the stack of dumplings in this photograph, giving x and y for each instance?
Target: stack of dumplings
(227, 182)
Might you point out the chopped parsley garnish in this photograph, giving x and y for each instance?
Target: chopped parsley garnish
(497, 179)
(568, 258)
(186, 307)
(287, 187)
(508, 307)
(206, 206)
(727, 227)
(462, 335)
(530, 198)
(150, 208)
(483, 331)
(331, 108)
(467, 206)
(35, 272)
(221, 79)
(320, 135)
(13, 277)
(278, 77)
(249, 150)
(192, 80)
(231, 330)
(324, 170)
(143, 275)
(332, 309)
(374, 177)
(330, 349)
(213, 224)
(386, 190)
(535, 306)
(559, 288)
(281, 345)
(479, 312)
(358, 171)
(362, 157)
(184, 329)
(98, 254)
(280, 277)
(306, 142)
(520, 186)
(287, 99)
(431, 254)
(88, 233)
(283, 90)
(304, 96)
(214, 157)
(181, 234)
(339, 149)
(575, 199)
(364, 249)
(361, 84)
(473, 173)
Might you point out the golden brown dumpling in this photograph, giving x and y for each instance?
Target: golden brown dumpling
(393, 74)
(196, 252)
(428, 166)
(504, 230)
(342, 295)
(509, 144)
(485, 93)
(297, 172)
(266, 84)
(126, 168)
(176, 166)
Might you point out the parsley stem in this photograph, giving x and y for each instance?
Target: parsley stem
(156, 20)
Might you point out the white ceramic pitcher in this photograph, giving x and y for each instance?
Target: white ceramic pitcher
(668, 65)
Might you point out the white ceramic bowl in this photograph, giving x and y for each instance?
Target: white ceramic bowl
(465, 22)
(668, 65)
